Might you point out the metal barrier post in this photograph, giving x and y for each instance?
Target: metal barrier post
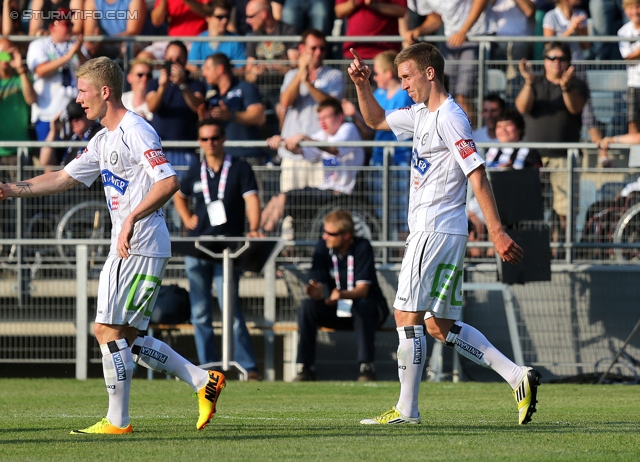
(82, 315)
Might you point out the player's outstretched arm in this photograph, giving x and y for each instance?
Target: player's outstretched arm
(42, 185)
(371, 111)
(508, 250)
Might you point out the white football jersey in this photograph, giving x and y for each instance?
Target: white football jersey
(443, 154)
(130, 160)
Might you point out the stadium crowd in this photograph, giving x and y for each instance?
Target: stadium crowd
(263, 83)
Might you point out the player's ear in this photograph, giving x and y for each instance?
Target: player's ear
(105, 92)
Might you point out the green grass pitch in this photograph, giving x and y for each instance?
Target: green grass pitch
(319, 421)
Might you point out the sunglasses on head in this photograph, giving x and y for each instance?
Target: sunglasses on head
(562, 59)
(211, 138)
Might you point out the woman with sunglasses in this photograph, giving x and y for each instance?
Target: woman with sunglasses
(552, 105)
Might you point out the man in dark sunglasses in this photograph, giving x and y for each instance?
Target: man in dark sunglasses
(343, 293)
(223, 191)
(217, 26)
(552, 104)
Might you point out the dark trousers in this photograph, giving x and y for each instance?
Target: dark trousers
(364, 320)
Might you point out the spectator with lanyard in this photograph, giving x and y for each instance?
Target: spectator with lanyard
(343, 294)
(225, 190)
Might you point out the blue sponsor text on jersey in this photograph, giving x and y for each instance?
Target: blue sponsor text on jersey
(117, 183)
(421, 165)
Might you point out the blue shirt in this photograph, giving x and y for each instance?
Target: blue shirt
(202, 50)
(399, 100)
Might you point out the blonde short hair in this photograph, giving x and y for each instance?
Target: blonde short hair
(103, 72)
(626, 3)
(342, 219)
(385, 60)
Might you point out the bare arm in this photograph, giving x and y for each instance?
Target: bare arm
(361, 290)
(252, 203)
(461, 35)
(47, 69)
(136, 22)
(526, 97)
(371, 111)
(202, 9)
(181, 204)
(35, 23)
(42, 185)
(159, 13)
(388, 9)
(572, 99)
(158, 195)
(254, 115)
(527, 7)
(508, 250)
(345, 9)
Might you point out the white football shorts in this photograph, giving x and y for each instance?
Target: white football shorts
(128, 289)
(430, 277)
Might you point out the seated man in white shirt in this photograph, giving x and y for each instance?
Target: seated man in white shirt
(337, 181)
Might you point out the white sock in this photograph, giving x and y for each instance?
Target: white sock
(412, 354)
(156, 355)
(117, 366)
(470, 343)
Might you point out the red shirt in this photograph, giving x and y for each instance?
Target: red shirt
(365, 21)
(183, 21)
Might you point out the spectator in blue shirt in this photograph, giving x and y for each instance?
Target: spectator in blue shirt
(236, 103)
(218, 23)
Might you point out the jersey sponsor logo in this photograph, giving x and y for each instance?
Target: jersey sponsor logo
(420, 165)
(113, 180)
(112, 202)
(121, 372)
(155, 157)
(466, 148)
(154, 354)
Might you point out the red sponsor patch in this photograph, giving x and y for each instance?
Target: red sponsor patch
(155, 157)
(466, 148)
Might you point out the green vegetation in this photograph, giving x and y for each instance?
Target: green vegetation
(319, 421)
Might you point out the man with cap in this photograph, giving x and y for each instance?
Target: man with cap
(79, 128)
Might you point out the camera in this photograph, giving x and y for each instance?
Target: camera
(167, 66)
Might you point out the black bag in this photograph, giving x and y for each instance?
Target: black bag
(172, 306)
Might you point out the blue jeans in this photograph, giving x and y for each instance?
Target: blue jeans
(201, 274)
(303, 14)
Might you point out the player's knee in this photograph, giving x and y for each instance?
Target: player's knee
(452, 335)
